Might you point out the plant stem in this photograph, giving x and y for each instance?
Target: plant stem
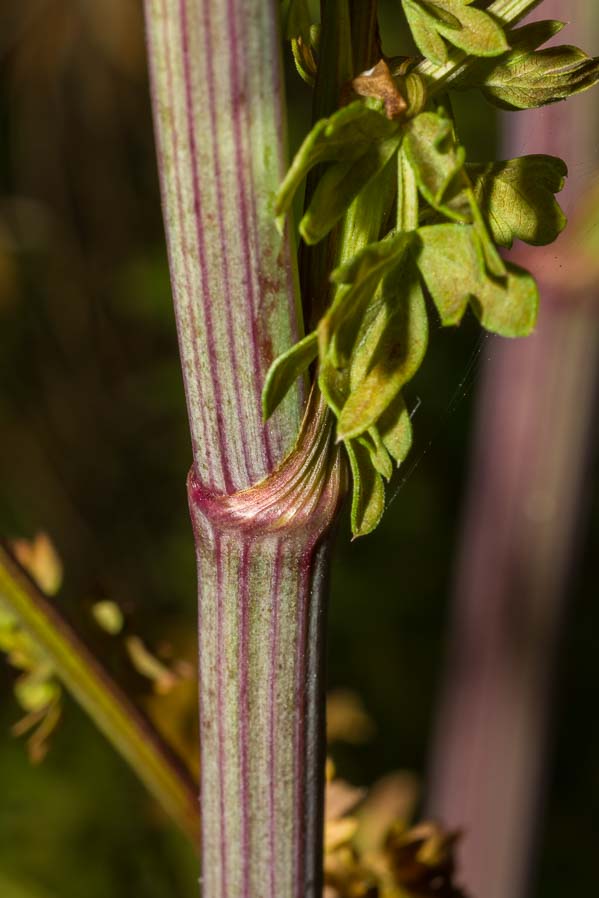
(220, 135)
(366, 42)
(262, 564)
(92, 687)
(261, 537)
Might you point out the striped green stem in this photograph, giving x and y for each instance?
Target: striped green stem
(93, 688)
(219, 123)
(261, 524)
(262, 564)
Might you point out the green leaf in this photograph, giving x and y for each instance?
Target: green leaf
(344, 137)
(510, 308)
(339, 186)
(437, 161)
(368, 497)
(388, 354)
(375, 258)
(532, 36)
(285, 370)
(517, 198)
(379, 456)
(426, 38)
(356, 305)
(522, 41)
(333, 383)
(529, 80)
(452, 267)
(447, 258)
(456, 21)
(395, 428)
(359, 279)
(493, 261)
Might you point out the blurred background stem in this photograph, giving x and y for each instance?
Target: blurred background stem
(524, 519)
(92, 687)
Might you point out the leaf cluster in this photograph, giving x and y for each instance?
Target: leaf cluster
(412, 219)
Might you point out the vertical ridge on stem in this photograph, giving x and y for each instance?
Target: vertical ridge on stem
(260, 523)
(220, 134)
(261, 604)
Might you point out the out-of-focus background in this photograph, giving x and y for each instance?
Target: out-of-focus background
(467, 625)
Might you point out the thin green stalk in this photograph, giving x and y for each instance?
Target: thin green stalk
(108, 706)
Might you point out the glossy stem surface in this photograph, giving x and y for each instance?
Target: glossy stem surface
(261, 516)
(262, 569)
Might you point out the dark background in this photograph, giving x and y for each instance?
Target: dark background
(94, 449)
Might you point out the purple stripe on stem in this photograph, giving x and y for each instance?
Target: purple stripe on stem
(231, 307)
(222, 761)
(240, 113)
(244, 602)
(272, 717)
(186, 298)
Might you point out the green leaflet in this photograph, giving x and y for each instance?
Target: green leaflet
(395, 428)
(368, 497)
(427, 38)
(340, 185)
(437, 161)
(493, 261)
(507, 308)
(451, 265)
(446, 258)
(359, 280)
(518, 198)
(532, 36)
(379, 456)
(285, 370)
(522, 41)
(434, 21)
(530, 80)
(368, 216)
(344, 138)
(388, 353)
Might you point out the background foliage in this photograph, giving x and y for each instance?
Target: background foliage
(95, 447)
